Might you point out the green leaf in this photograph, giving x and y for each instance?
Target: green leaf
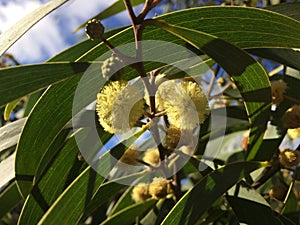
(128, 215)
(8, 38)
(9, 108)
(124, 201)
(9, 198)
(288, 57)
(253, 213)
(198, 199)
(9, 134)
(57, 145)
(114, 9)
(86, 193)
(41, 130)
(7, 170)
(16, 82)
(64, 168)
(289, 9)
(249, 76)
(111, 188)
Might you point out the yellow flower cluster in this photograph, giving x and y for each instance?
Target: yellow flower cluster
(130, 155)
(289, 158)
(151, 156)
(159, 188)
(119, 106)
(185, 103)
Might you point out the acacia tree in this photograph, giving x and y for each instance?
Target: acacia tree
(138, 125)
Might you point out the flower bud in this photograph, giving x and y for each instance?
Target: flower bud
(140, 193)
(289, 158)
(151, 156)
(112, 68)
(172, 138)
(94, 29)
(130, 155)
(159, 188)
(291, 118)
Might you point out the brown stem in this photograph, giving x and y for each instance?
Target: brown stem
(177, 183)
(139, 66)
(292, 99)
(149, 4)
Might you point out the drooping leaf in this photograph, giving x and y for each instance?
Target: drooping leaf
(16, 31)
(254, 213)
(289, 9)
(9, 134)
(86, 193)
(128, 215)
(9, 108)
(9, 198)
(42, 126)
(19, 81)
(7, 172)
(288, 57)
(63, 169)
(198, 199)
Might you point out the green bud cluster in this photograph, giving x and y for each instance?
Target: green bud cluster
(94, 29)
(111, 68)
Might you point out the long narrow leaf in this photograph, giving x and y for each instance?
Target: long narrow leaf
(197, 200)
(15, 32)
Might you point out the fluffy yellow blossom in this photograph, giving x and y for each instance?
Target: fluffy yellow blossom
(186, 104)
(130, 155)
(172, 138)
(294, 133)
(140, 193)
(291, 118)
(289, 158)
(119, 106)
(159, 188)
(278, 88)
(151, 156)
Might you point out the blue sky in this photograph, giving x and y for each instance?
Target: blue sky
(55, 32)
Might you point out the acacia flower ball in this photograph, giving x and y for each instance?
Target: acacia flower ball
(151, 156)
(119, 106)
(186, 104)
(159, 188)
(172, 138)
(289, 158)
(130, 155)
(140, 193)
(291, 118)
(278, 88)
